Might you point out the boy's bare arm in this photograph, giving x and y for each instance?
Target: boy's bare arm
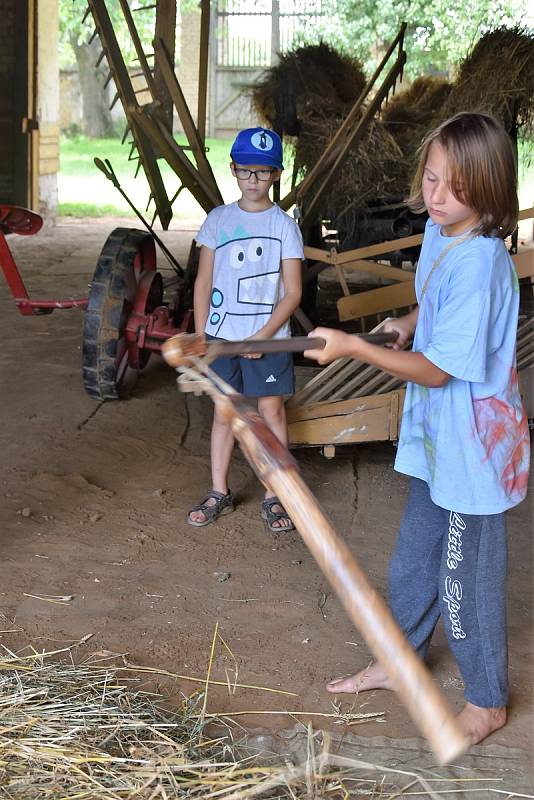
(407, 366)
(292, 279)
(202, 291)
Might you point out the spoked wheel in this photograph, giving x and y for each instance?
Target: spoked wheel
(125, 281)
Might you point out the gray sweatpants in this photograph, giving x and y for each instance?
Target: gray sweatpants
(454, 565)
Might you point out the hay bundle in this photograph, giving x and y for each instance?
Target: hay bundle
(308, 95)
(373, 170)
(311, 91)
(498, 77)
(314, 74)
(411, 114)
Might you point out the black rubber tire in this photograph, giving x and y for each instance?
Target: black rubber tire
(126, 253)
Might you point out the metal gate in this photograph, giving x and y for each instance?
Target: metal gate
(246, 37)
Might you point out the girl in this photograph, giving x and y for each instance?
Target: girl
(464, 436)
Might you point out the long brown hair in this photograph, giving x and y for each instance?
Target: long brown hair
(482, 170)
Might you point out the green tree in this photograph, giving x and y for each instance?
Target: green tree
(79, 49)
(439, 33)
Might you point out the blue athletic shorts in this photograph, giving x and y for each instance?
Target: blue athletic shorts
(268, 376)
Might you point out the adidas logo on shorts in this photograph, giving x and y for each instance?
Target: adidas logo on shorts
(270, 379)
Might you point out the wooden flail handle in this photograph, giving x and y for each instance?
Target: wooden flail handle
(179, 349)
(277, 469)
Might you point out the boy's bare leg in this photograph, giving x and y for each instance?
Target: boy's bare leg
(372, 677)
(477, 723)
(222, 444)
(273, 411)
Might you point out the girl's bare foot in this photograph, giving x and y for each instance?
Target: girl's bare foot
(477, 723)
(372, 677)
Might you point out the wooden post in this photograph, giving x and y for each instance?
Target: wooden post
(166, 33)
(275, 31)
(203, 69)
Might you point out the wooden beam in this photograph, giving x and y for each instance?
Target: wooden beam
(380, 270)
(194, 139)
(203, 68)
(145, 66)
(376, 301)
(342, 280)
(381, 248)
(173, 154)
(165, 32)
(524, 263)
(128, 98)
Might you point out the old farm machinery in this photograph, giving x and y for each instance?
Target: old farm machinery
(131, 309)
(129, 312)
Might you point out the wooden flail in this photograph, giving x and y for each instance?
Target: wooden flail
(178, 350)
(277, 470)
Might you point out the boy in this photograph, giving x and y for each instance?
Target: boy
(248, 285)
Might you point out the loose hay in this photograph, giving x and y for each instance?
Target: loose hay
(308, 95)
(86, 731)
(89, 731)
(409, 115)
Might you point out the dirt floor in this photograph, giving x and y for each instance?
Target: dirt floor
(93, 506)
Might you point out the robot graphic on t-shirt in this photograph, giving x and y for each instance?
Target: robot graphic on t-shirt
(246, 281)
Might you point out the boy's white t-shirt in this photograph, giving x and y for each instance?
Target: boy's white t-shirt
(247, 280)
(469, 439)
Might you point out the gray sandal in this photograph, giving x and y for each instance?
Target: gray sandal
(271, 516)
(224, 504)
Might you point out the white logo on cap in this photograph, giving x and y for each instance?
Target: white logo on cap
(262, 141)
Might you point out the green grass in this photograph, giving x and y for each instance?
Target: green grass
(85, 191)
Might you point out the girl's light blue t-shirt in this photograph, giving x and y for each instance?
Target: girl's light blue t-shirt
(469, 439)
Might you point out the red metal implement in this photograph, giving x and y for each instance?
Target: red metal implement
(24, 222)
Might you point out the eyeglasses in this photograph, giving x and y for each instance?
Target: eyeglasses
(260, 174)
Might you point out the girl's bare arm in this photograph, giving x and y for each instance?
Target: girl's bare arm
(407, 366)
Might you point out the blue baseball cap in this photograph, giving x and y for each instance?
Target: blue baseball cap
(257, 146)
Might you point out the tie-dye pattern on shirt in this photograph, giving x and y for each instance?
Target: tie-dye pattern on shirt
(502, 428)
(467, 439)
